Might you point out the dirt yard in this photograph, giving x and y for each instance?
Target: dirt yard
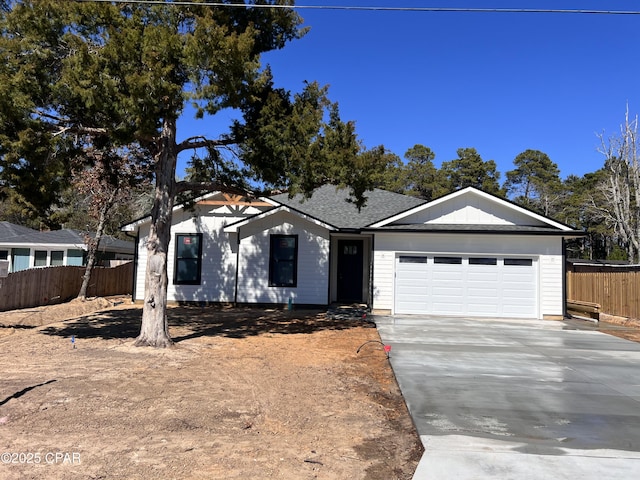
(245, 393)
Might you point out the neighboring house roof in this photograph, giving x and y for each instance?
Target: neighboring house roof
(331, 205)
(8, 229)
(600, 263)
(66, 237)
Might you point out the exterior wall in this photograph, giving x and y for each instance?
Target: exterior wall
(219, 253)
(141, 265)
(23, 258)
(313, 261)
(547, 251)
(551, 290)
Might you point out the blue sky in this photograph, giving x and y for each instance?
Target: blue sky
(499, 82)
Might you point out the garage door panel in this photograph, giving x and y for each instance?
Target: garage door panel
(446, 288)
(411, 291)
(451, 277)
(511, 279)
(444, 308)
(473, 276)
(484, 310)
(490, 293)
(518, 311)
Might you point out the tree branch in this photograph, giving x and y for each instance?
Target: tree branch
(193, 143)
(64, 125)
(186, 186)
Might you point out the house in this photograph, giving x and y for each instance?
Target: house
(25, 248)
(468, 253)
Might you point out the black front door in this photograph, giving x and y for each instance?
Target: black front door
(350, 263)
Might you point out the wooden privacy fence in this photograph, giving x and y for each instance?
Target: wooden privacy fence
(44, 286)
(617, 290)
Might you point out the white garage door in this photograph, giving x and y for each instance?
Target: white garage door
(462, 285)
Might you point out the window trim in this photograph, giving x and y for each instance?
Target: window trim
(198, 279)
(273, 238)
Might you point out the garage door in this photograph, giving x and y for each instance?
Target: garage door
(462, 285)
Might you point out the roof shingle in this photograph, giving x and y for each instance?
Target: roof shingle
(331, 205)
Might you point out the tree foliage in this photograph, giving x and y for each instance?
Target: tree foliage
(423, 179)
(535, 182)
(469, 170)
(124, 73)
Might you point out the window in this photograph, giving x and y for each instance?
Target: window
(188, 259)
(20, 258)
(75, 257)
(283, 261)
(525, 262)
(57, 258)
(4, 254)
(411, 259)
(448, 260)
(40, 258)
(350, 250)
(482, 261)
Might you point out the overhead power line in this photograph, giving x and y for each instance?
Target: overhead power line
(373, 8)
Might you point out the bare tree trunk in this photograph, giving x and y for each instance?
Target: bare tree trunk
(93, 245)
(622, 187)
(154, 331)
(91, 261)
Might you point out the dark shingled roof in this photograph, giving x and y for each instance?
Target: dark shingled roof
(8, 230)
(330, 204)
(67, 237)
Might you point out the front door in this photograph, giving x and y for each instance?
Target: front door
(350, 263)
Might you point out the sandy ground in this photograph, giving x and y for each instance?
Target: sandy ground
(245, 393)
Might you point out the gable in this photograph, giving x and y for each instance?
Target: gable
(472, 207)
(216, 204)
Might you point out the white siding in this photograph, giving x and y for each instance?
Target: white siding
(313, 261)
(383, 277)
(471, 209)
(546, 251)
(552, 293)
(141, 267)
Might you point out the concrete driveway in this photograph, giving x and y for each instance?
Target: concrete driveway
(518, 399)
